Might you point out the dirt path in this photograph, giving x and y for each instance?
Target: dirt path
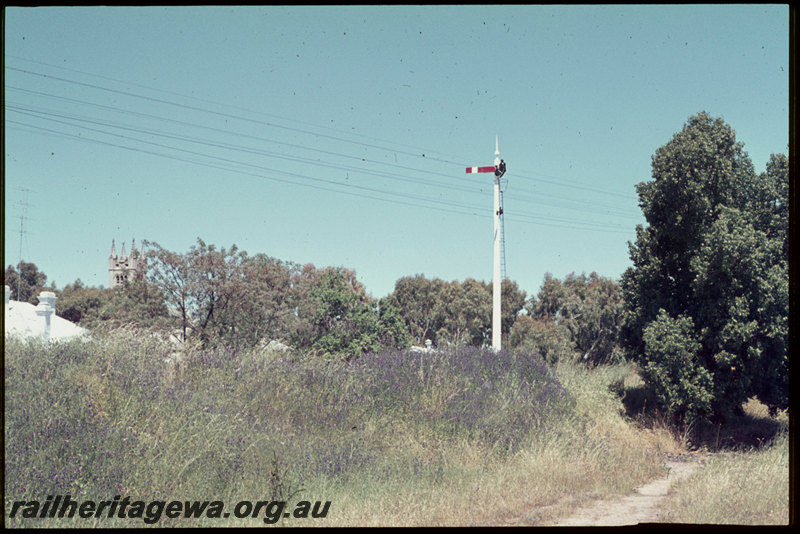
(640, 507)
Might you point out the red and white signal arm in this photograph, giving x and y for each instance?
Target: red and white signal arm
(471, 170)
(498, 170)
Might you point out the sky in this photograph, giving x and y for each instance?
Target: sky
(339, 136)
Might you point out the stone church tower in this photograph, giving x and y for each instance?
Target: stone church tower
(124, 268)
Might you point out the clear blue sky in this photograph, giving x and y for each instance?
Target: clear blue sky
(339, 135)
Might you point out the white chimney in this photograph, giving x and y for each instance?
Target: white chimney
(46, 308)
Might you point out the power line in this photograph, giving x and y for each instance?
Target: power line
(249, 111)
(542, 221)
(229, 132)
(595, 226)
(50, 116)
(183, 138)
(276, 155)
(608, 210)
(218, 113)
(300, 130)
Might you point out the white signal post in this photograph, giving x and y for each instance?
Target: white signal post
(499, 169)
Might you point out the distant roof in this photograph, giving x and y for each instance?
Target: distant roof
(21, 320)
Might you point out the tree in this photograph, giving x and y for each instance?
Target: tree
(453, 313)
(587, 310)
(512, 301)
(417, 299)
(171, 273)
(216, 287)
(672, 364)
(25, 282)
(710, 269)
(342, 320)
(544, 337)
(465, 312)
(392, 331)
(267, 303)
(81, 304)
(217, 293)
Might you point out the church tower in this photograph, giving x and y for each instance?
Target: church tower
(124, 268)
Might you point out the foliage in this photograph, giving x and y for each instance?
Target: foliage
(170, 273)
(465, 311)
(417, 300)
(494, 397)
(26, 280)
(712, 263)
(749, 487)
(136, 303)
(266, 303)
(76, 302)
(225, 298)
(343, 320)
(105, 417)
(545, 337)
(670, 363)
(512, 302)
(453, 314)
(579, 317)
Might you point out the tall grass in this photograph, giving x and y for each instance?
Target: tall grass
(451, 438)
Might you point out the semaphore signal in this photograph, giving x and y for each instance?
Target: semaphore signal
(481, 169)
(499, 169)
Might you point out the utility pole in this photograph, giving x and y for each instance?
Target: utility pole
(499, 169)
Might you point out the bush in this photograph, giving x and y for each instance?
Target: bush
(670, 365)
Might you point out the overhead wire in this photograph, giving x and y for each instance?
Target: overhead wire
(49, 116)
(294, 120)
(594, 206)
(437, 204)
(300, 130)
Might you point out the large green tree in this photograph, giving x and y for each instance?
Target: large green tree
(706, 300)
(417, 298)
(453, 313)
(225, 297)
(137, 303)
(26, 281)
(578, 317)
(336, 316)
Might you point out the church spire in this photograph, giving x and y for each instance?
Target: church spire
(113, 250)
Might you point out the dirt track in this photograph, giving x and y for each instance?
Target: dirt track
(640, 507)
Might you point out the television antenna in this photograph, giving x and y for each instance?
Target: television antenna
(499, 169)
(22, 216)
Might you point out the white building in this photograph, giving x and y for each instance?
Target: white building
(25, 320)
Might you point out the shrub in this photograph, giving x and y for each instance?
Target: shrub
(671, 366)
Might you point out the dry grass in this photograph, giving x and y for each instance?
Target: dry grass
(597, 453)
(736, 488)
(380, 460)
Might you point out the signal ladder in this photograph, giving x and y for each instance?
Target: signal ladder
(504, 276)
